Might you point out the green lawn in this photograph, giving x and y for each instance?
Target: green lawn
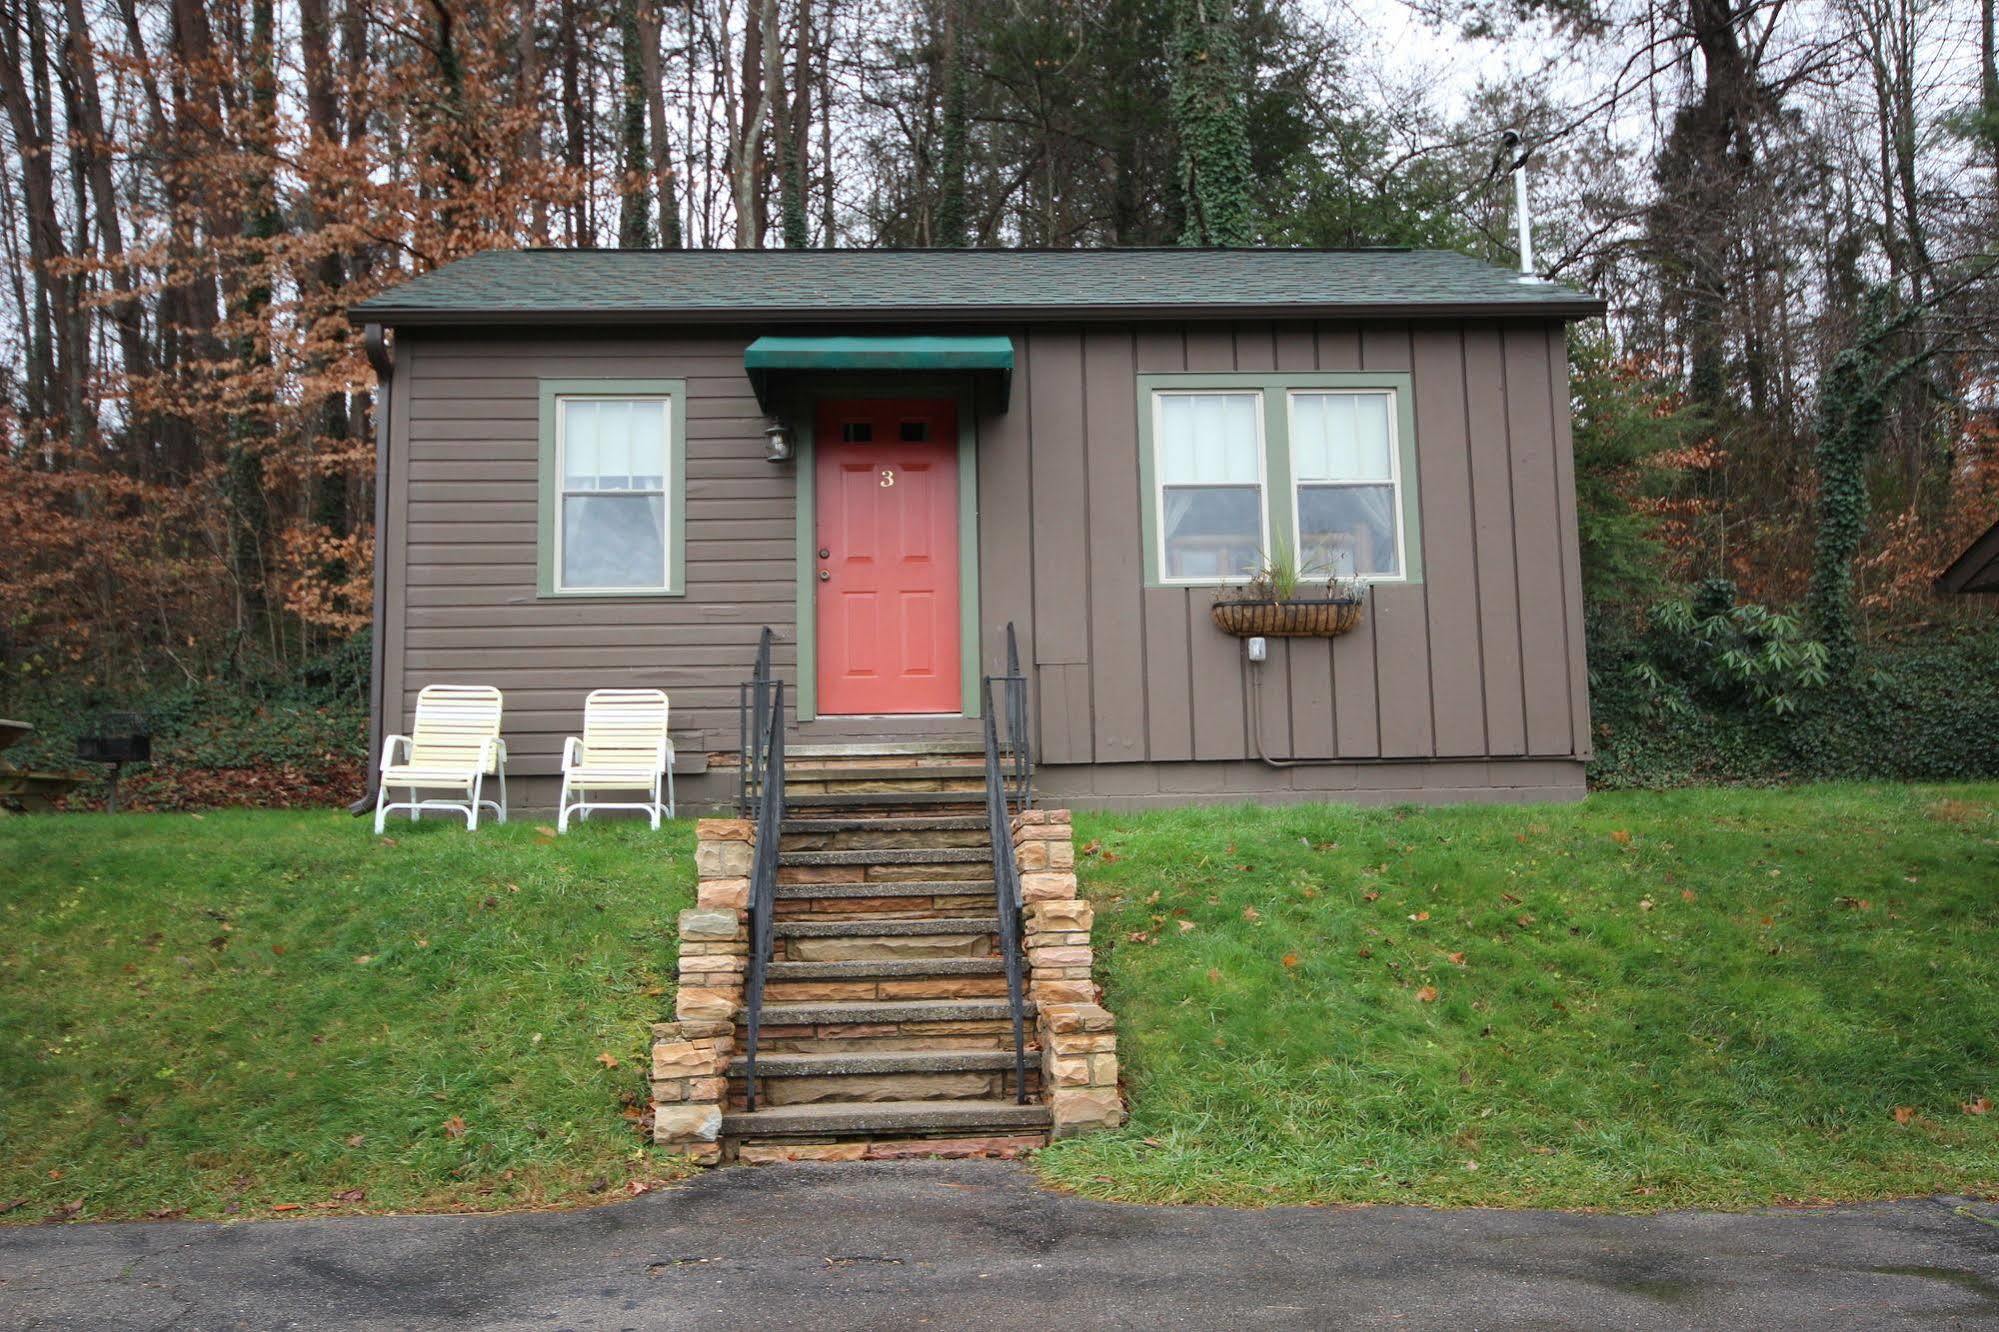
(241, 1011)
(1714, 998)
(1703, 998)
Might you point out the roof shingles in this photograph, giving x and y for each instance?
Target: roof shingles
(585, 286)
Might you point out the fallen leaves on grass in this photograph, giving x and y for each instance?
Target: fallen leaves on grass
(286, 1207)
(356, 1140)
(1979, 1106)
(1621, 837)
(1185, 925)
(607, 1059)
(1905, 1115)
(1427, 995)
(454, 1127)
(1457, 959)
(1290, 960)
(1420, 916)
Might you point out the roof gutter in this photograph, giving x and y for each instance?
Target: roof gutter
(382, 356)
(377, 311)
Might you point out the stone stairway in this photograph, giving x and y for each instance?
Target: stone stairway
(885, 1029)
(885, 1026)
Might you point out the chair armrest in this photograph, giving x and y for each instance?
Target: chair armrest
(493, 754)
(389, 743)
(665, 754)
(571, 751)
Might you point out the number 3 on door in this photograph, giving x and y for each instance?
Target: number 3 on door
(888, 476)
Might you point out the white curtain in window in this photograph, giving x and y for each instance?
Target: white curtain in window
(614, 465)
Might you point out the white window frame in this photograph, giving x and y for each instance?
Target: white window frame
(1401, 574)
(1158, 497)
(668, 482)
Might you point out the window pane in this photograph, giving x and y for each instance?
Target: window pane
(579, 445)
(1347, 530)
(613, 541)
(915, 432)
(857, 432)
(614, 444)
(648, 444)
(1340, 436)
(1213, 532)
(1207, 439)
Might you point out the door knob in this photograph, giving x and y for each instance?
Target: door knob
(824, 576)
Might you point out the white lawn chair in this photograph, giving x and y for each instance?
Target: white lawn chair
(623, 748)
(454, 745)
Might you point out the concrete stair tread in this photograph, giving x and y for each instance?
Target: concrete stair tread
(894, 1061)
(890, 823)
(870, 970)
(836, 773)
(853, 749)
(913, 888)
(862, 1011)
(881, 799)
(877, 1117)
(882, 928)
(900, 855)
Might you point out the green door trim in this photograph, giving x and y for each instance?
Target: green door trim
(801, 412)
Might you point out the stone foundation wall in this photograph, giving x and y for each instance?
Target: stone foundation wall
(690, 1056)
(1078, 1036)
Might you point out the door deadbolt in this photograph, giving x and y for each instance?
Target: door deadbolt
(825, 577)
(825, 554)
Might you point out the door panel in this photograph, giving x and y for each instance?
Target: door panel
(886, 477)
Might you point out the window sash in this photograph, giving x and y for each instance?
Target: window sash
(1160, 486)
(1393, 481)
(564, 491)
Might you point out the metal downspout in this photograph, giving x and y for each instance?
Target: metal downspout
(382, 356)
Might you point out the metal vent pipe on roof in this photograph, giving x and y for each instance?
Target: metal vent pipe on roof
(1513, 144)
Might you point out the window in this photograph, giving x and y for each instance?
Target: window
(1212, 518)
(611, 482)
(1237, 466)
(1344, 476)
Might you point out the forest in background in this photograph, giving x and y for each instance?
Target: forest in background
(1785, 424)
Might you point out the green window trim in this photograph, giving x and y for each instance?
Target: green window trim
(1280, 495)
(552, 391)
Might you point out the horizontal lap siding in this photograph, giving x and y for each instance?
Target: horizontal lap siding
(463, 604)
(1482, 656)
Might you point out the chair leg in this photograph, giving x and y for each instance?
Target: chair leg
(654, 810)
(414, 811)
(503, 791)
(562, 808)
(381, 806)
(669, 793)
(472, 805)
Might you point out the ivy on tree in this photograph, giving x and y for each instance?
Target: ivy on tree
(1210, 113)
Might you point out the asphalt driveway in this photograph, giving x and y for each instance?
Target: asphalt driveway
(975, 1244)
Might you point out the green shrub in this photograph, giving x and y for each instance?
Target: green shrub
(1665, 714)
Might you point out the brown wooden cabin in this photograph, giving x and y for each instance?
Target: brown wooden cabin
(615, 468)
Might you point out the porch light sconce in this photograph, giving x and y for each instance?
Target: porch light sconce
(777, 441)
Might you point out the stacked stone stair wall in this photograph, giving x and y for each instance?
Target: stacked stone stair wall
(886, 1030)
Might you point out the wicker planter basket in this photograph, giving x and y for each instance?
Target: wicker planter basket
(1326, 617)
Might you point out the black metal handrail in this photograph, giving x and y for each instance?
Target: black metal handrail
(1009, 787)
(752, 720)
(768, 748)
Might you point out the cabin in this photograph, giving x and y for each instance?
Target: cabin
(604, 468)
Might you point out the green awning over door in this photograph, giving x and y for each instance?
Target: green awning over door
(988, 358)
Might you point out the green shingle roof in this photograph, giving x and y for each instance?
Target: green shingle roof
(613, 286)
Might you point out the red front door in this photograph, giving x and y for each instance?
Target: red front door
(886, 478)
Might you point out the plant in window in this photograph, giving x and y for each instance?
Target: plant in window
(1290, 598)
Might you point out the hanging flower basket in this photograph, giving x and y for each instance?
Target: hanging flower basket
(1304, 617)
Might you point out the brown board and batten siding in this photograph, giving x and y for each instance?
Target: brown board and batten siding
(1480, 660)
